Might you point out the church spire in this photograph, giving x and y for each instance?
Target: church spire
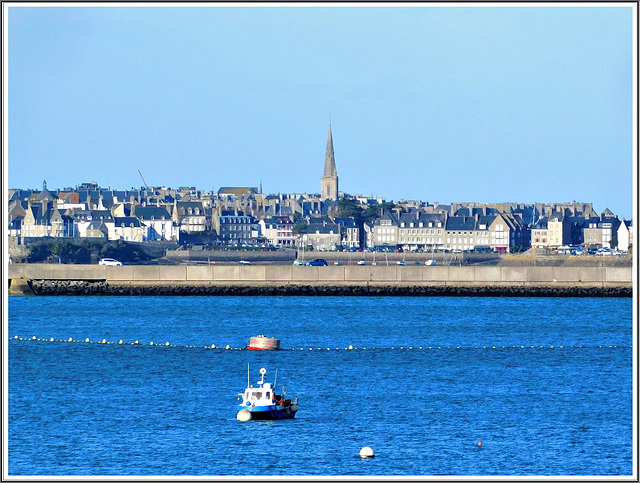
(329, 182)
(329, 159)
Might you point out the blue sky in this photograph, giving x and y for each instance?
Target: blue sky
(448, 103)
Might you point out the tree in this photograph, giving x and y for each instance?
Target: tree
(350, 208)
(300, 228)
(375, 211)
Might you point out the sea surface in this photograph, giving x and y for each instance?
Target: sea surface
(434, 385)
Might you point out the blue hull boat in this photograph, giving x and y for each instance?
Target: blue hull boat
(262, 403)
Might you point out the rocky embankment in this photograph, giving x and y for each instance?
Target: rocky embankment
(74, 287)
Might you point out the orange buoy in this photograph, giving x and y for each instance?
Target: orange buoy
(479, 443)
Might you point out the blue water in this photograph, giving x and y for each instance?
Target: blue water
(422, 386)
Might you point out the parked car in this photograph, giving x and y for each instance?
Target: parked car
(109, 262)
(317, 262)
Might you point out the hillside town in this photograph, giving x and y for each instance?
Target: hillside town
(329, 220)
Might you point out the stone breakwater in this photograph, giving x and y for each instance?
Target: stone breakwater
(78, 287)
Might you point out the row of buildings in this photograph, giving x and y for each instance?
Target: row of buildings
(150, 215)
(245, 215)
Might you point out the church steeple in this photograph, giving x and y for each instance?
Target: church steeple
(329, 181)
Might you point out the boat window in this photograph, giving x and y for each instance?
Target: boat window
(257, 395)
(267, 395)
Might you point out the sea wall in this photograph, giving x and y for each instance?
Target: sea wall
(302, 280)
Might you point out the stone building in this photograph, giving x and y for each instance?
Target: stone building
(278, 230)
(237, 229)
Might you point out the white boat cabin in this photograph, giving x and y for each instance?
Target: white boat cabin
(259, 396)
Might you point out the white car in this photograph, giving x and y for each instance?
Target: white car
(110, 262)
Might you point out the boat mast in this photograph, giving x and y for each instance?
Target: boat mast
(247, 375)
(275, 378)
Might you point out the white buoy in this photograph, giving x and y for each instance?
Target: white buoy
(120, 341)
(70, 339)
(350, 347)
(104, 341)
(151, 343)
(87, 339)
(15, 337)
(228, 347)
(33, 338)
(367, 452)
(167, 344)
(51, 340)
(244, 415)
(213, 346)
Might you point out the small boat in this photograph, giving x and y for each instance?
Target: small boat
(262, 343)
(262, 403)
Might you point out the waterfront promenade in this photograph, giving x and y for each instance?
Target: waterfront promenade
(272, 279)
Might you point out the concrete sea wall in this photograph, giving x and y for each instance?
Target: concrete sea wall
(331, 280)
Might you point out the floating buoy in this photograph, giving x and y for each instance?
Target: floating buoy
(136, 342)
(15, 337)
(87, 339)
(261, 342)
(243, 415)
(151, 343)
(213, 346)
(70, 339)
(350, 347)
(366, 452)
(479, 443)
(33, 338)
(167, 344)
(120, 341)
(104, 341)
(51, 340)
(228, 346)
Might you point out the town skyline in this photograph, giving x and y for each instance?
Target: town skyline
(478, 104)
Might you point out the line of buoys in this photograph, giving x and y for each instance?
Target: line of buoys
(350, 347)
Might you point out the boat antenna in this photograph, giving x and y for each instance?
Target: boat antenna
(248, 375)
(275, 378)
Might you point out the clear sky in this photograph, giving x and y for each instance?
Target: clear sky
(442, 103)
